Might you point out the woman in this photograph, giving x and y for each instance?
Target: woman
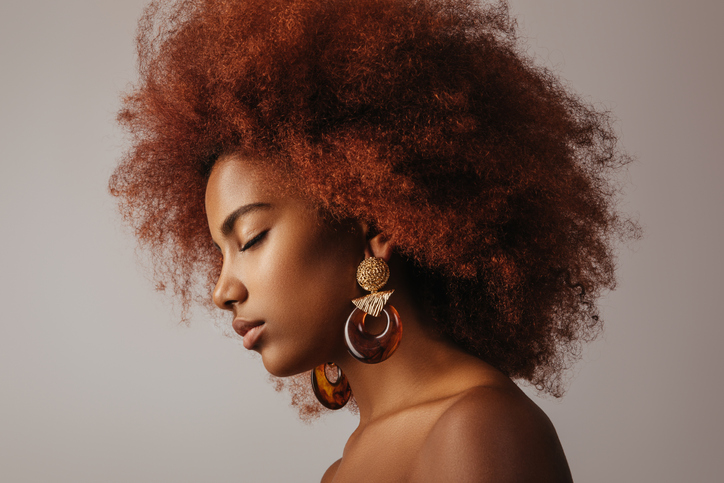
(401, 155)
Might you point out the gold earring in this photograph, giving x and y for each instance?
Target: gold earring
(372, 275)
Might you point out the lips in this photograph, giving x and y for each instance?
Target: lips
(250, 330)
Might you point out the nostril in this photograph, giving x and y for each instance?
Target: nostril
(221, 297)
(228, 292)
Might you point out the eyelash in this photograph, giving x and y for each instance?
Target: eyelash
(253, 241)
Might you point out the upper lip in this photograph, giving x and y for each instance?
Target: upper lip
(242, 326)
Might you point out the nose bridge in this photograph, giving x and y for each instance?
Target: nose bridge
(229, 288)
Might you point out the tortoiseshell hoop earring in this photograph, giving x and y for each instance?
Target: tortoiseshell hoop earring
(332, 395)
(372, 275)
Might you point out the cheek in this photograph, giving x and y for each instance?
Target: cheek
(313, 280)
(330, 266)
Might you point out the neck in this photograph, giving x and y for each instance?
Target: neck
(424, 368)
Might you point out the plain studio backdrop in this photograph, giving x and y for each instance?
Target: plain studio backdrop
(99, 383)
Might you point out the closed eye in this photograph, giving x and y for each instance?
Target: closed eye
(253, 241)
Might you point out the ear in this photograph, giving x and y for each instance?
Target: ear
(379, 246)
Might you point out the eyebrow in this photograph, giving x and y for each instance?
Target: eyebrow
(228, 226)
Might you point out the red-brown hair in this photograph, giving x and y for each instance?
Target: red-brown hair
(422, 117)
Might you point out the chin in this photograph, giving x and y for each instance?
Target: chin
(278, 365)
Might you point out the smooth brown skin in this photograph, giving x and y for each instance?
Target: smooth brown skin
(430, 413)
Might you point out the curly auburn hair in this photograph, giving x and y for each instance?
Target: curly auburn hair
(425, 118)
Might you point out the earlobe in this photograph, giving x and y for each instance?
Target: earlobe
(380, 246)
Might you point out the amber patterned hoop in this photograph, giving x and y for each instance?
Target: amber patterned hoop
(332, 395)
(370, 348)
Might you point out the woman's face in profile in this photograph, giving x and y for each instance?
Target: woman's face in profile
(288, 275)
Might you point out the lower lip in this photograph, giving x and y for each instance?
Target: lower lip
(251, 337)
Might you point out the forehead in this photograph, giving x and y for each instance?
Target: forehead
(236, 181)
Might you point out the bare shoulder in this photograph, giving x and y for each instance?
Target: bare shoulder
(331, 471)
(492, 434)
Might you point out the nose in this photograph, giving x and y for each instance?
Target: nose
(229, 290)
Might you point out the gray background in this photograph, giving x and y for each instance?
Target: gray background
(99, 383)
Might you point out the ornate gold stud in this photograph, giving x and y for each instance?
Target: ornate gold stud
(372, 274)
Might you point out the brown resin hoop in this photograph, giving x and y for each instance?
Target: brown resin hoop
(332, 395)
(370, 348)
